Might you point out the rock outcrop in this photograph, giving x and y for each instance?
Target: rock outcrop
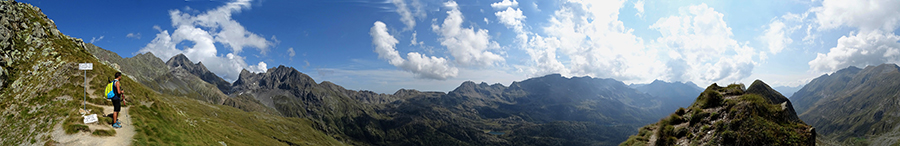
(730, 116)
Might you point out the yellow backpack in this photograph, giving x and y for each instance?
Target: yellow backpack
(109, 90)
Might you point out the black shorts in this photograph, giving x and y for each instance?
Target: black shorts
(117, 105)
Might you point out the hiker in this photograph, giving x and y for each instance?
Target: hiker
(117, 100)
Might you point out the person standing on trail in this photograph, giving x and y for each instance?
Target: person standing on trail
(117, 100)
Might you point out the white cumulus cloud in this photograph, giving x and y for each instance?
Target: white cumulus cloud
(405, 15)
(513, 18)
(874, 42)
(596, 44)
(204, 30)
(420, 65)
(414, 40)
(639, 6)
(505, 4)
(510, 17)
(223, 28)
(703, 46)
(860, 49)
(867, 15)
(468, 46)
(777, 36)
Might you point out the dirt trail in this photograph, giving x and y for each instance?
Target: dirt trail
(123, 136)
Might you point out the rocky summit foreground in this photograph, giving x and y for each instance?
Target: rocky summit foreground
(730, 115)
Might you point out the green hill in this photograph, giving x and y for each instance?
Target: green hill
(730, 115)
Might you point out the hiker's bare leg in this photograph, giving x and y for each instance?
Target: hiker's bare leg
(115, 117)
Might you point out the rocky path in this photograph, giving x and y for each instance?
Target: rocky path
(123, 135)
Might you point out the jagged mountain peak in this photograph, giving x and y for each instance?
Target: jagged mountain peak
(482, 90)
(281, 69)
(179, 60)
(182, 61)
(276, 77)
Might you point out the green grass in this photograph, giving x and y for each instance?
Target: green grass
(751, 120)
(101, 132)
(708, 99)
(757, 121)
(74, 128)
(37, 76)
(180, 120)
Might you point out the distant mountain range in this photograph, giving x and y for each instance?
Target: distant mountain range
(853, 105)
(462, 116)
(674, 94)
(472, 114)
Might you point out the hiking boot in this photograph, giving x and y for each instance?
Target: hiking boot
(116, 125)
(117, 122)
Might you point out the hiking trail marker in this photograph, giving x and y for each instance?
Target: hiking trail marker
(90, 119)
(85, 67)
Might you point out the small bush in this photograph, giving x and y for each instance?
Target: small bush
(74, 128)
(708, 99)
(698, 117)
(109, 132)
(681, 132)
(666, 135)
(713, 116)
(680, 111)
(675, 119)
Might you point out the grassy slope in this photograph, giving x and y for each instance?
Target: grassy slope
(746, 119)
(43, 88)
(863, 111)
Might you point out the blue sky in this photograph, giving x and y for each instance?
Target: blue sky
(385, 45)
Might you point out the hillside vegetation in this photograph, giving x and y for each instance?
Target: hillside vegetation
(730, 115)
(854, 106)
(40, 87)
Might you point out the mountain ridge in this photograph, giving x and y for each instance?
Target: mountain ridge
(853, 105)
(673, 94)
(200, 70)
